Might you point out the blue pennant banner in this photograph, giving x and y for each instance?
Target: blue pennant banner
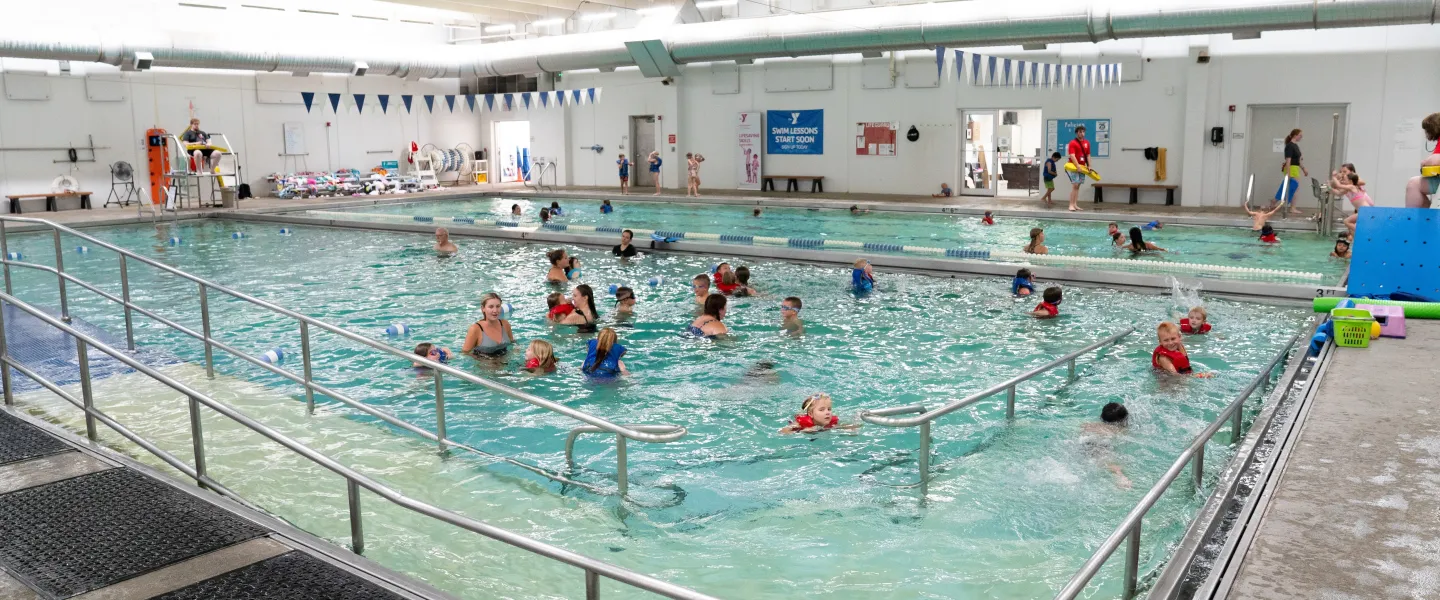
(335, 102)
(407, 99)
(384, 102)
(309, 98)
(360, 103)
(430, 102)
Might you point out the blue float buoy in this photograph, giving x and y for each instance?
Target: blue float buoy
(274, 357)
(14, 256)
(174, 241)
(397, 329)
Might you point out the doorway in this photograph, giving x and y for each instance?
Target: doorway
(642, 143)
(512, 148)
(1266, 151)
(1001, 152)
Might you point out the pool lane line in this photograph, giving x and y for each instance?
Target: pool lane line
(1164, 267)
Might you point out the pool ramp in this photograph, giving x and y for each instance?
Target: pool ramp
(53, 355)
(77, 523)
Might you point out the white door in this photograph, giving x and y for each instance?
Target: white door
(979, 168)
(512, 151)
(1269, 125)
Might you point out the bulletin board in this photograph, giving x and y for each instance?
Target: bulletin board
(1059, 132)
(876, 139)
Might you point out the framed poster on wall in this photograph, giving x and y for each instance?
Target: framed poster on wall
(1059, 132)
(748, 134)
(876, 139)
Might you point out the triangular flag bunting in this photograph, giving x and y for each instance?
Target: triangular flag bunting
(1035, 74)
(490, 102)
(575, 97)
(1007, 72)
(939, 61)
(509, 101)
(1020, 72)
(309, 98)
(335, 102)
(360, 103)
(470, 100)
(525, 98)
(592, 95)
(994, 62)
(407, 99)
(450, 100)
(430, 102)
(544, 99)
(960, 65)
(384, 102)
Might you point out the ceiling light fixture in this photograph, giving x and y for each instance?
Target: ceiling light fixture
(716, 3)
(657, 10)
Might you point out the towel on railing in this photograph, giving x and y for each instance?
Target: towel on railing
(1159, 164)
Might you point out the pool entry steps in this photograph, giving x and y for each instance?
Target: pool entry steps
(75, 340)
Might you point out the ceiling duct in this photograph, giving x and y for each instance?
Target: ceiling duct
(911, 27)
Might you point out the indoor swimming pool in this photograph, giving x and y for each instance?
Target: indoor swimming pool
(733, 509)
(1225, 246)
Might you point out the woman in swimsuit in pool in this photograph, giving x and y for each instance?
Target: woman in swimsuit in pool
(583, 298)
(491, 335)
(708, 323)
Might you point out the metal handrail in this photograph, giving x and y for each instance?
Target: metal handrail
(353, 479)
(1194, 456)
(669, 434)
(622, 470)
(926, 415)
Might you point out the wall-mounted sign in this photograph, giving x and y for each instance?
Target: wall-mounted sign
(748, 133)
(1059, 132)
(795, 132)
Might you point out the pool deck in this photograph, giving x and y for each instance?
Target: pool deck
(1354, 514)
(1003, 207)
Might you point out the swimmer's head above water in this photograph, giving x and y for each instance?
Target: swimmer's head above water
(1114, 413)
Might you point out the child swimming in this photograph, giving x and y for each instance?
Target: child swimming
(701, 285)
(817, 413)
(988, 219)
(1023, 284)
(1170, 356)
(624, 300)
(790, 316)
(728, 284)
(540, 357)
(1113, 419)
(1267, 235)
(742, 275)
(1342, 249)
(1048, 308)
(1037, 242)
(560, 307)
(1260, 216)
(1195, 321)
(432, 352)
(862, 276)
(602, 356)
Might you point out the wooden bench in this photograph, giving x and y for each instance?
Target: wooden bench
(49, 200)
(792, 182)
(1135, 191)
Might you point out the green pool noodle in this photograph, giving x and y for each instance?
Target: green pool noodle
(1413, 310)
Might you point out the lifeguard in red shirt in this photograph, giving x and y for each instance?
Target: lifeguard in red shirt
(1077, 164)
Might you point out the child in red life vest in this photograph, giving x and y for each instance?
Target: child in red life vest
(988, 219)
(818, 414)
(1050, 307)
(1195, 321)
(1170, 355)
(560, 307)
(1267, 235)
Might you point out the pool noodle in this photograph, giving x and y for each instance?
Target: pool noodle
(1413, 310)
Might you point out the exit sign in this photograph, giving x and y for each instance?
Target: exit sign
(672, 138)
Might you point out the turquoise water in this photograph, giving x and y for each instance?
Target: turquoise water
(733, 509)
(1299, 251)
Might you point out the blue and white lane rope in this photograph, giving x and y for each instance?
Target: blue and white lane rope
(1001, 255)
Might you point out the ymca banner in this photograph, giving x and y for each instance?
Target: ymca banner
(748, 133)
(795, 132)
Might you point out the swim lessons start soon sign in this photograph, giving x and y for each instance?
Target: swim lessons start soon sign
(795, 132)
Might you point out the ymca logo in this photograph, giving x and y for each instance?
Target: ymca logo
(743, 116)
(794, 118)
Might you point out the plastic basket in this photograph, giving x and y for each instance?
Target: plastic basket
(1352, 327)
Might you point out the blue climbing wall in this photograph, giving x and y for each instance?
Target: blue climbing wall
(51, 353)
(1396, 250)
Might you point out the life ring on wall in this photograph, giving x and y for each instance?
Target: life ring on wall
(64, 183)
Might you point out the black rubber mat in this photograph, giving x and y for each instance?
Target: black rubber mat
(290, 576)
(84, 533)
(21, 441)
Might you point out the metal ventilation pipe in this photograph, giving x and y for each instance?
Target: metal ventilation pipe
(910, 27)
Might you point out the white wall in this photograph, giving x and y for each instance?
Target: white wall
(225, 102)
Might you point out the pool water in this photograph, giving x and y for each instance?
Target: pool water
(1225, 246)
(733, 509)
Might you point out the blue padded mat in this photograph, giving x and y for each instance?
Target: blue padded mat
(51, 353)
(1396, 250)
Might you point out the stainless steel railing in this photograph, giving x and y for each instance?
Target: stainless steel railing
(653, 434)
(1193, 456)
(924, 415)
(593, 569)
